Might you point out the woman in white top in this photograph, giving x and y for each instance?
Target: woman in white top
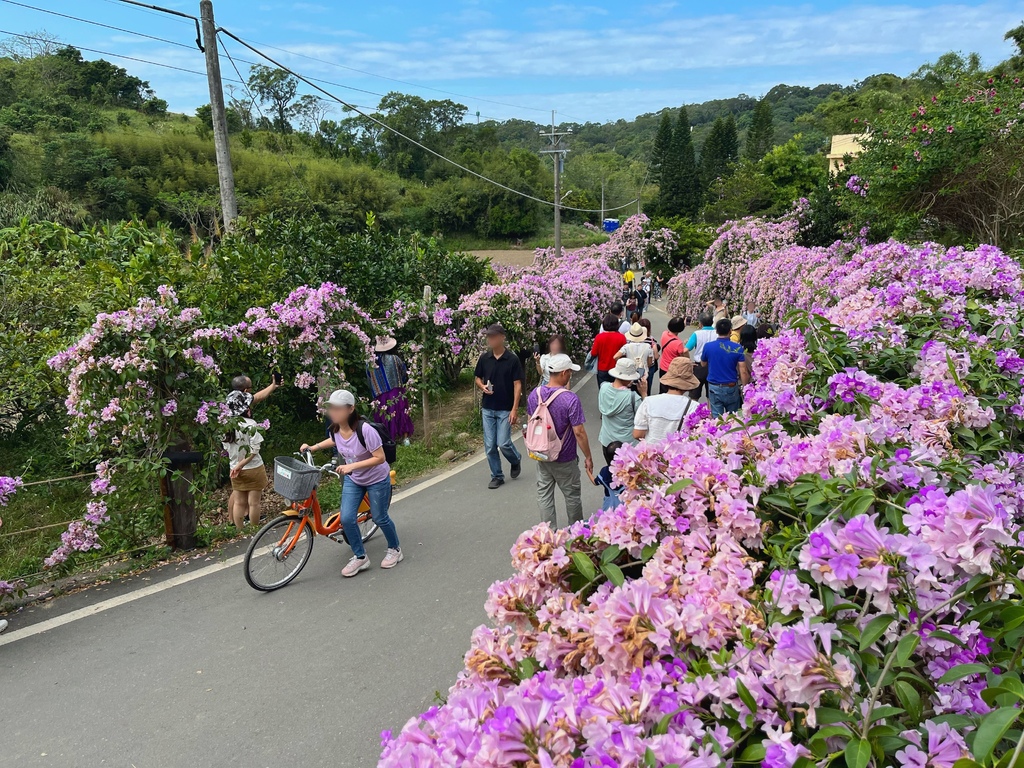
(660, 415)
(556, 346)
(248, 475)
(638, 349)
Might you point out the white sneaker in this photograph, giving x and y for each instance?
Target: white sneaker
(392, 558)
(3, 624)
(355, 565)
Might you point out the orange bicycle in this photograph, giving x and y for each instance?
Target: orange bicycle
(281, 548)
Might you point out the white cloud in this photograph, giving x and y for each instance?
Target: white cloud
(794, 37)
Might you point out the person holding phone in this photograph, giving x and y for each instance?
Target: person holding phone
(500, 377)
(243, 383)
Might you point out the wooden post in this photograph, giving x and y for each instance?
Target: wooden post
(427, 292)
(180, 519)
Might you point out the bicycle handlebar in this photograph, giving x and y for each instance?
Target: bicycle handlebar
(330, 467)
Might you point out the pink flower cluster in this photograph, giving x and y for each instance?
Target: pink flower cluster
(739, 605)
(8, 487)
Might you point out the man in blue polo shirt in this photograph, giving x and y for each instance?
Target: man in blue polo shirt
(727, 370)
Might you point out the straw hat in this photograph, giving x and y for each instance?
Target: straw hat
(680, 375)
(637, 333)
(624, 370)
(738, 322)
(385, 344)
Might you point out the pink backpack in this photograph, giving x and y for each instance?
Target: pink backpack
(542, 440)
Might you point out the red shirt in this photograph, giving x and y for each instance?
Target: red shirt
(606, 344)
(671, 347)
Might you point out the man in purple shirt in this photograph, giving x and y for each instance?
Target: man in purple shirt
(566, 412)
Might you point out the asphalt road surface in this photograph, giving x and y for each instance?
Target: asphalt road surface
(186, 665)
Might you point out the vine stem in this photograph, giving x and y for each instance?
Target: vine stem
(891, 657)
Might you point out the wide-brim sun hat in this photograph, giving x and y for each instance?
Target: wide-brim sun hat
(385, 344)
(637, 333)
(340, 398)
(239, 403)
(680, 375)
(625, 370)
(738, 322)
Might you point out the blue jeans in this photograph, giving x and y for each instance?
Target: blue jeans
(498, 437)
(380, 500)
(724, 399)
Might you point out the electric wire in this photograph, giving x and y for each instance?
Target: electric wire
(107, 53)
(414, 142)
(98, 24)
(480, 99)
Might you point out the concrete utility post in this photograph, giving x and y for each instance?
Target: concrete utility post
(557, 152)
(225, 174)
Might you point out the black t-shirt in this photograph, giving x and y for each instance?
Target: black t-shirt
(502, 372)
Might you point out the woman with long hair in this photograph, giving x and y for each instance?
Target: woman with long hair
(364, 472)
(556, 346)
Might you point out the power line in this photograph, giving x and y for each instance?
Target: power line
(155, 10)
(97, 24)
(106, 53)
(402, 82)
(413, 141)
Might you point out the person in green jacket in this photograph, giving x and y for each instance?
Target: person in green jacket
(618, 403)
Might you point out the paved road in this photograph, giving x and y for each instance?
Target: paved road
(188, 666)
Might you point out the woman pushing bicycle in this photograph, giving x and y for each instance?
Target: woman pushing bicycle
(365, 472)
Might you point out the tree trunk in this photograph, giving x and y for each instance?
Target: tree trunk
(180, 519)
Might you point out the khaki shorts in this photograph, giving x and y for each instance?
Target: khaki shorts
(254, 479)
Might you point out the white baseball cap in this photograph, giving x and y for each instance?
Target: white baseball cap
(341, 397)
(559, 363)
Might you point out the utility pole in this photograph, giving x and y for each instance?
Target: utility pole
(600, 224)
(557, 152)
(225, 174)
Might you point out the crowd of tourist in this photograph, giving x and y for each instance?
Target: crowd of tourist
(711, 362)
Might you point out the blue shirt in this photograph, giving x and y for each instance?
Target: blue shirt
(723, 358)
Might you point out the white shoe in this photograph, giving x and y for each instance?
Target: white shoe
(3, 624)
(355, 565)
(392, 558)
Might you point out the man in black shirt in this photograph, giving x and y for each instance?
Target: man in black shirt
(499, 375)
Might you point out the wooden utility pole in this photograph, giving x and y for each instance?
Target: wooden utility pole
(427, 293)
(557, 152)
(225, 174)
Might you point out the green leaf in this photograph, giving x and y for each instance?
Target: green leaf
(648, 552)
(858, 502)
(960, 671)
(746, 697)
(678, 485)
(992, 695)
(650, 759)
(906, 647)
(611, 554)
(614, 574)
(754, 753)
(857, 753)
(584, 565)
(966, 762)
(886, 710)
(909, 698)
(874, 630)
(829, 716)
(830, 731)
(527, 668)
(991, 731)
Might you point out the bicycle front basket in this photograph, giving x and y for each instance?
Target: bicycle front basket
(294, 479)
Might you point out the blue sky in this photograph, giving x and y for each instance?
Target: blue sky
(596, 61)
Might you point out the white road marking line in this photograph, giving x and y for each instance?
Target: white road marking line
(114, 602)
(185, 578)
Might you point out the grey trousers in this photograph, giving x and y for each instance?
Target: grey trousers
(566, 475)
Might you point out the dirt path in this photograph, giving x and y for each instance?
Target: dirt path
(520, 257)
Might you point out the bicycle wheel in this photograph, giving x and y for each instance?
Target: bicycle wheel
(274, 556)
(367, 528)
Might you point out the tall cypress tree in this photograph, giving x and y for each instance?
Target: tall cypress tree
(690, 191)
(662, 147)
(730, 141)
(761, 136)
(712, 155)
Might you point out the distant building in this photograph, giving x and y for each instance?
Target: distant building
(842, 145)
